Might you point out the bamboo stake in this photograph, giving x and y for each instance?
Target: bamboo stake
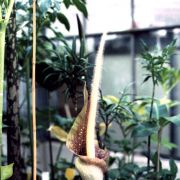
(90, 138)
(34, 92)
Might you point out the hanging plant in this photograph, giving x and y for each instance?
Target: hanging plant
(65, 66)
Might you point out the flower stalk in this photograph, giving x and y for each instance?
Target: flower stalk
(3, 26)
(2, 46)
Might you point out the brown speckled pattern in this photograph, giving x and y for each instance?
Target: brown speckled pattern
(76, 140)
(79, 142)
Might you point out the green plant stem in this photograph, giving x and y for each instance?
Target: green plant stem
(152, 100)
(59, 151)
(12, 104)
(2, 47)
(28, 108)
(150, 118)
(50, 142)
(8, 11)
(124, 137)
(106, 130)
(3, 26)
(0, 13)
(133, 151)
(158, 150)
(122, 130)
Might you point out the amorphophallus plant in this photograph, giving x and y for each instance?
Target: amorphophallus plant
(91, 160)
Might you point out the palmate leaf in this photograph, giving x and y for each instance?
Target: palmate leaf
(6, 171)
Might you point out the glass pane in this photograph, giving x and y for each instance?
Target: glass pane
(111, 15)
(116, 75)
(156, 13)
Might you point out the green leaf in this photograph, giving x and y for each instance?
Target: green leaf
(114, 173)
(6, 3)
(80, 29)
(58, 132)
(44, 5)
(62, 18)
(111, 99)
(82, 49)
(163, 122)
(52, 17)
(144, 45)
(163, 110)
(174, 119)
(67, 3)
(146, 78)
(6, 171)
(164, 142)
(111, 160)
(159, 110)
(144, 129)
(81, 7)
(154, 159)
(173, 167)
(168, 144)
(169, 78)
(74, 45)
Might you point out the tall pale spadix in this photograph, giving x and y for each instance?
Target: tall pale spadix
(90, 137)
(91, 161)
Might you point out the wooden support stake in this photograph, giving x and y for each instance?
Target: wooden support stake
(34, 93)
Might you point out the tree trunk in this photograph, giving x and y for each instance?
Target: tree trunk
(13, 130)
